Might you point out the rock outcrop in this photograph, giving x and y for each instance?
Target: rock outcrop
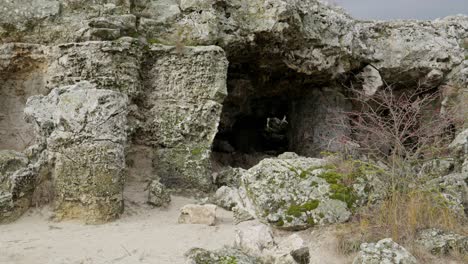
(84, 131)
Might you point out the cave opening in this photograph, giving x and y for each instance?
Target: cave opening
(269, 111)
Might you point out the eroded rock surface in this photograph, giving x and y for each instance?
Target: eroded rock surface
(384, 251)
(439, 242)
(296, 193)
(84, 130)
(17, 183)
(157, 194)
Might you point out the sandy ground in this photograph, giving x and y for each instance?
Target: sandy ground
(142, 235)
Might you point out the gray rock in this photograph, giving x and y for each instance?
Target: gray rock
(226, 197)
(226, 255)
(181, 111)
(157, 194)
(371, 80)
(384, 252)
(294, 193)
(439, 242)
(85, 136)
(454, 189)
(17, 182)
(229, 177)
(198, 214)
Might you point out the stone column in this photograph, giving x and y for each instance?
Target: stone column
(84, 129)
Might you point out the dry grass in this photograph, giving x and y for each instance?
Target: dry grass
(401, 217)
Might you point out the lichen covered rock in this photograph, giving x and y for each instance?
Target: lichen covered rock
(17, 182)
(385, 251)
(296, 193)
(157, 194)
(84, 131)
(439, 242)
(226, 255)
(181, 110)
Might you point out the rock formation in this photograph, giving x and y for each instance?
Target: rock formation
(207, 93)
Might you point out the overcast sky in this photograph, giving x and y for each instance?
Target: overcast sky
(403, 9)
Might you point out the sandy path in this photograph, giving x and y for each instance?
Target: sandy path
(142, 235)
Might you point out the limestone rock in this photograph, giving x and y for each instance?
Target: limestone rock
(310, 123)
(384, 251)
(157, 194)
(454, 189)
(296, 193)
(109, 65)
(240, 214)
(17, 183)
(254, 238)
(439, 242)
(181, 111)
(198, 214)
(371, 80)
(84, 131)
(226, 197)
(226, 255)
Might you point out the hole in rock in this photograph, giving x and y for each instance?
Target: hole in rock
(269, 111)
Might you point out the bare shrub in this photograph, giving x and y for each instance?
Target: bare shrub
(399, 129)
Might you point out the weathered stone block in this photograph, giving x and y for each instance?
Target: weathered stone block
(110, 65)
(182, 107)
(85, 132)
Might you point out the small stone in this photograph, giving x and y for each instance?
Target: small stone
(198, 214)
(158, 195)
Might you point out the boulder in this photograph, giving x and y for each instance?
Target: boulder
(227, 197)
(254, 238)
(157, 194)
(198, 214)
(17, 183)
(226, 255)
(84, 130)
(439, 242)
(384, 251)
(297, 193)
(258, 240)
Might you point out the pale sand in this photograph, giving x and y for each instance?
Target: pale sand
(142, 235)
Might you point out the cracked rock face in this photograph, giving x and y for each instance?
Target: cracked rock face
(16, 185)
(84, 132)
(439, 242)
(295, 193)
